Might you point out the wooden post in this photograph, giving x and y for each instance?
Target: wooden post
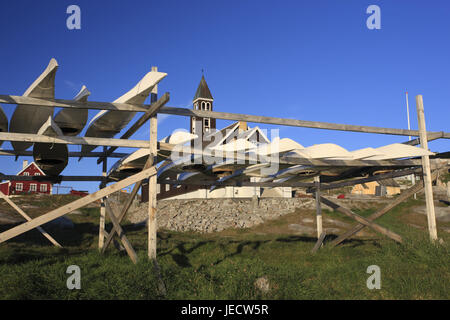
(152, 183)
(318, 207)
(426, 169)
(101, 228)
(23, 214)
(59, 212)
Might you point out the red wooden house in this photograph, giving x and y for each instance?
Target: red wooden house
(27, 186)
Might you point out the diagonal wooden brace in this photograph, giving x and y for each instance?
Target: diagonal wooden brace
(36, 222)
(127, 205)
(126, 243)
(27, 217)
(405, 195)
(362, 220)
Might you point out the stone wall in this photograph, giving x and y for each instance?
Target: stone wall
(211, 215)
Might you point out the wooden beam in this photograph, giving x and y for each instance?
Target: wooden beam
(27, 217)
(71, 104)
(430, 137)
(101, 227)
(431, 217)
(27, 137)
(143, 119)
(126, 243)
(71, 154)
(13, 232)
(378, 177)
(290, 122)
(152, 184)
(362, 220)
(127, 205)
(319, 242)
(318, 207)
(55, 179)
(402, 197)
(62, 103)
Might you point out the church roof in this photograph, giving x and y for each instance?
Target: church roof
(203, 90)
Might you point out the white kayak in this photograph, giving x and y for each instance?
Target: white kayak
(107, 123)
(52, 158)
(72, 121)
(29, 119)
(3, 122)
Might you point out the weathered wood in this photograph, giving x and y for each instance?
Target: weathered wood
(127, 205)
(152, 185)
(13, 232)
(430, 137)
(141, 121)
(54, 179)
(378, 177)
(71, 154)
(309, 185)
(319, 242)
(431, 217)
(28, 137)
(126, 243)
(61, 103)
(402, 197)
(290, 122)
(101, 228)
(362, 220)
(71, 104)
(27, 217)
(318, 207)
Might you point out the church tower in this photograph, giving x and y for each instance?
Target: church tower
(203, 100)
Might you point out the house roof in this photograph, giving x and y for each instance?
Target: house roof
(203, 91)
(388, 183)
(32, 163)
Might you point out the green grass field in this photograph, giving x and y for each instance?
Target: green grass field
(225, 265)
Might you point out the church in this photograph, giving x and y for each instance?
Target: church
(204, 128)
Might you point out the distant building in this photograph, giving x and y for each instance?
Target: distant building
(206, 127)
(387, 187)
(27, 186)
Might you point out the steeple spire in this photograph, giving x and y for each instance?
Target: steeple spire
(203, 90)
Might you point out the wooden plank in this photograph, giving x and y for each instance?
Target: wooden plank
(290, 122)
(430, 137)
(101, 228)
(127, 205)
(126, 243)
(319, 242)
(61, 103)
(55, 179)
(431, 216)
(378, 177)
(318, 207)
(27, 217)
(402, 197)
(141, 121)
(152, 185)
(13, 232)
(362, 220)
(71, 104)
(27, 137)
(29, 153)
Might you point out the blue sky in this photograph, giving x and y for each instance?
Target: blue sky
(310, 60)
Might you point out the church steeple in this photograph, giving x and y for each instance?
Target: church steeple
(203, 100)
(203, 91)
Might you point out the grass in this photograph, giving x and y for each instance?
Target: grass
(225, 265)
